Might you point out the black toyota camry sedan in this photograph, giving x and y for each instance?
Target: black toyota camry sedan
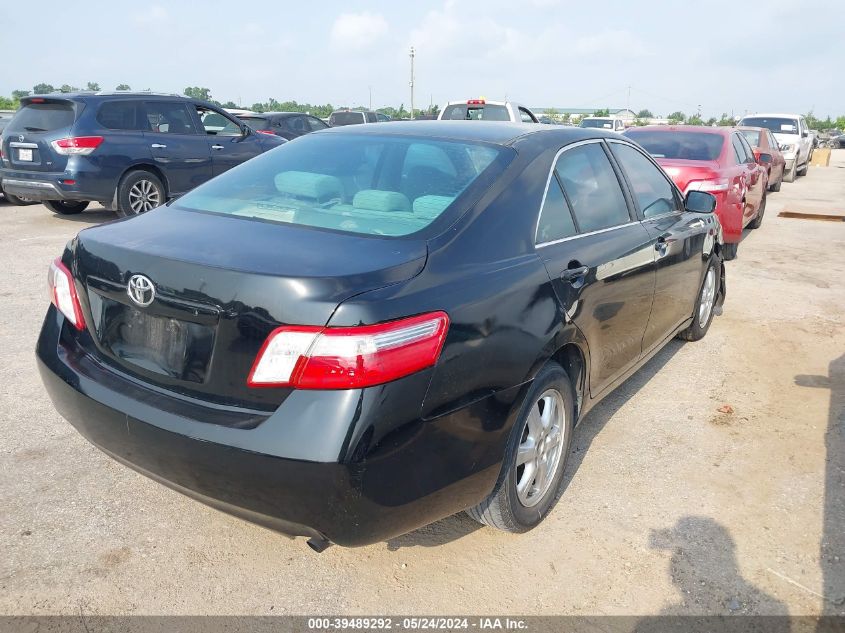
(374, 327)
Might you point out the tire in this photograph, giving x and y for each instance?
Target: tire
(756, 222)
(17, 201)
(138, 192)
(66, 207)
(790, 175)
(776, 187)
(729, 251)
(803, 170)
(513, 510)
(704, 306)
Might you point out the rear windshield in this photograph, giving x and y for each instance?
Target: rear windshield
(680, 145)
(475, 112)
(605, 124)
(256, 123)
(43, 117)
(375, 185)
(775, 124)
(752, 136)
(346, 118)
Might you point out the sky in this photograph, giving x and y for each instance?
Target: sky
(719, 56)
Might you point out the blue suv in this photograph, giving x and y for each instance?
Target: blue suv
(130, 152)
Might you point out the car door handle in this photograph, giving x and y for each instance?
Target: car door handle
(158, 146)
(216, 147)
(574, 274)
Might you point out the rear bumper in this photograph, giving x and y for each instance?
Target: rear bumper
(50, 186)
(730, 217)
(417, 473)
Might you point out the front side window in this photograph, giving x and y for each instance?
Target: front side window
(216, 124)
(166, 117)
(256, 122)
(749, 152)
(652, 190)
(297, 125)
(592, 188)
(376, 185)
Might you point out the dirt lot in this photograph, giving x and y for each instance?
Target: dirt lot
(671, 506)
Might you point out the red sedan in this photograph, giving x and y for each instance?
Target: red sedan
(762, 141)
(718, 160)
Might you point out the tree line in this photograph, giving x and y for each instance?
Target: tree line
(324, 110)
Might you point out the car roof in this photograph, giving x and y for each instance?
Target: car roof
(85, 94)
(498, 132)
(253, 115)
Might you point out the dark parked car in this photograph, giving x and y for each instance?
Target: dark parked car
(409, 324)
(288, 125)
(128, 151)
(352, 117)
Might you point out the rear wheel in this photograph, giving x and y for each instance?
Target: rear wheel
(756, 222)
(776, 186)
(139, 191)
(803, 170)
(729, 251)
(532, 471)
(66, 207)
(703, 315)
(17, 201)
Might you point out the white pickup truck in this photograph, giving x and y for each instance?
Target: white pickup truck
(793, 137)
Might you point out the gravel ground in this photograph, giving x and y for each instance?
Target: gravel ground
(672, 506)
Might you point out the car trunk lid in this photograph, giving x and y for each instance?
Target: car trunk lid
(222, 284)
(683, 172)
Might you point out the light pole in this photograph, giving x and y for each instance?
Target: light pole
(412, 83)
(371, 96)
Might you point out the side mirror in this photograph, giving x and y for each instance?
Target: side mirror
(805, 134)
(764, 159)
(700, 202)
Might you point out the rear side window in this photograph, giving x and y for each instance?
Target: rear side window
(391, 186)
(118, 115)
(555, 218)
(525, 116)
(476, 112)
(297, 124)
(652, 190)
(43, 117)
(742, 156)
(371, 117)
(592, 188)
(169, 118)
(752, 136)
(316, 124)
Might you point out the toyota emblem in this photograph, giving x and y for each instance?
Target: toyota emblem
(141, 290)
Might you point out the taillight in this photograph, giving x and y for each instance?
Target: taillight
(476, 102)
(719, 184)
(82, 145)
(270, 132)
(349, 357)
(63, 293)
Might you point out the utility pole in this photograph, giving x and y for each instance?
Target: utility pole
(628, 103)
(412, 83)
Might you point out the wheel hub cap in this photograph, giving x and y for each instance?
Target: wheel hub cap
(539, 454)
(144, 196)
(708, 298)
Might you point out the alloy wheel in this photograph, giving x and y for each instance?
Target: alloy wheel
(144, 196)
(708, 298)
(539, 455)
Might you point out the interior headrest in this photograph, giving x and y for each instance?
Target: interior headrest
(431, 206)
(378, 200)
(305, 184)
